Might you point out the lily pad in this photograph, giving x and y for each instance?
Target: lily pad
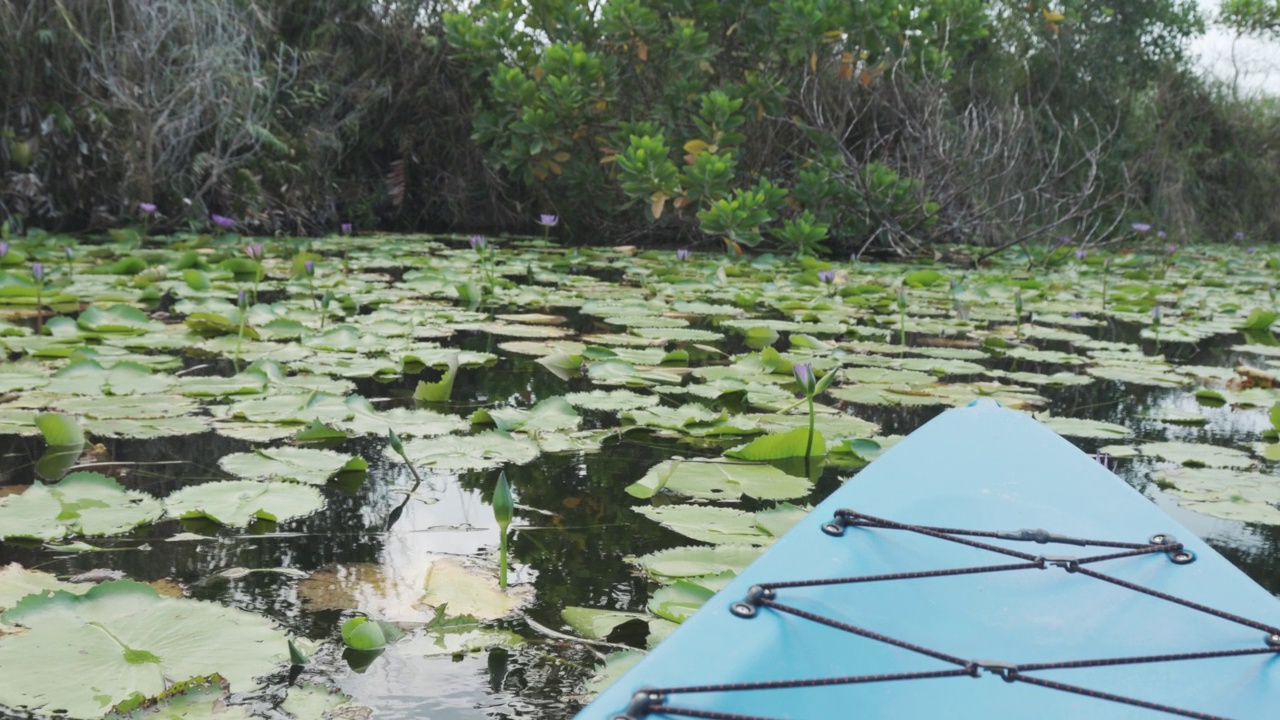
(468, 590)
(1085, 428)
(1231, 494)
(612, 400)
(715, 525)
(84, 503)
(1197, 454)
(105, 647)
(236, 503)
(302, 465)
(688, 562)
(194, 699)
(473, 452)
(596, 624)
(719, 480)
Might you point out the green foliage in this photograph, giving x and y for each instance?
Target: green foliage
(1254, 17)
(603, 101)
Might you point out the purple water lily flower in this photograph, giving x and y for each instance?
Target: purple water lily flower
(37, 271)
(310, 267)
(147, 208)
(1081, 254)
(804, 375)
(1141, 227)
(683, 254)
(1252, 249)
(548, 220)
(478, 242)
(1162, 234)
(241, 297)
(4, 248)
(1171, 248)
(1155, 314)
(66, 250)
(255, 251)
(827, 276)
(348, 228)
(222, 221)
(1238, 236)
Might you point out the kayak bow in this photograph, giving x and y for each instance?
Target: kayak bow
(914, 592)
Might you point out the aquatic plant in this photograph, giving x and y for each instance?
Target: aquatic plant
(37, 277)
(480, 244)
(548, 221)
(348, 228)
(222, 221)
(255, 252)
(812, 387)
(503, 508)
(1106, 275)
(827, 277)
(1140, 227)
(309, 271)
(683, 254)
(1155, 325)
(902, 315)
(1017, 311)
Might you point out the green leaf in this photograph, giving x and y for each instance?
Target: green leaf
(439, 391)
(84, 503)
(475, 452)
(194, 699)
(716, 525)
(720, 480)
(302, 465)
(679, 600)
(1259, 319)
(790, 444)
(236, 503)
(1231, 494)
(59, 429)
(922, 278)
(1197, 454)
(361, 633)
(595, 624)
(688, 562)
(93, 638)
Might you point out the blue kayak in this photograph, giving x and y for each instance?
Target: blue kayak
(982, 568)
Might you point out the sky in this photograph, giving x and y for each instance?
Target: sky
(1255, 68)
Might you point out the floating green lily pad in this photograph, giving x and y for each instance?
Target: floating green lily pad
(1231, 494)
(302, 465)
(83, 503)
(689, 562)
(236, 503)
(105, 647)
(720, 480)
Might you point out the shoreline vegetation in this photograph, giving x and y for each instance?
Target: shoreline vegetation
(797, 126)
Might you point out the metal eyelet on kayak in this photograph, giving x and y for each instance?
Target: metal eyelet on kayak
(839, 521)
(748, 607)
(1180, 556)
(1274, 640)
(641, 701)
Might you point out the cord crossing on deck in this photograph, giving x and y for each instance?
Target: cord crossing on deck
(657, 701)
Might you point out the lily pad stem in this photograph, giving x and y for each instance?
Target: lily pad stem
(808, 448)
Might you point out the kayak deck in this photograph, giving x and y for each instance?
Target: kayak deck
(884, 602)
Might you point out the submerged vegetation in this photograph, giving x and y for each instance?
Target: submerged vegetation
(296, 489)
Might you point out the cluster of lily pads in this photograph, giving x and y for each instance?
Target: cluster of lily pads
(759, 372)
